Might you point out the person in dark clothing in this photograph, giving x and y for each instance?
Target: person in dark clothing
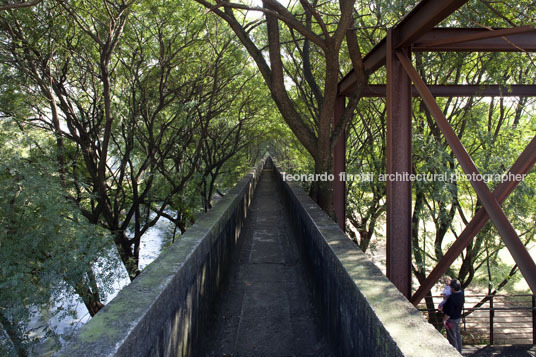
(453, 313)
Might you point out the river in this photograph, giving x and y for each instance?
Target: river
(63, 324)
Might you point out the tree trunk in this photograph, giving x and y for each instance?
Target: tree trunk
(14, 335)
(322, 188)
(124, 248)
(90, 297)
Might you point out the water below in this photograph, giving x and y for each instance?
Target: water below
(65, 325)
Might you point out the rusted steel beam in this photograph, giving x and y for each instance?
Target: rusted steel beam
(461, 90)
(479, 35)
(524, 163)
(489, 202)
(420, 20)
(398, 155)
(438, 39)
(339, 166)
(423, 18)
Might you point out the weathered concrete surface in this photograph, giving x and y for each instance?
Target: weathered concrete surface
(163, 311)
(362, 312)
(266, 310)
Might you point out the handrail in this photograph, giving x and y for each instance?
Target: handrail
(493, 300)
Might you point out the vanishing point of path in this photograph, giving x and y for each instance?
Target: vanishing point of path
(265, 308)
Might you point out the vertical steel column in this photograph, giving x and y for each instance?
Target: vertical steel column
(517, 249)
(398, 185)
(339, 166)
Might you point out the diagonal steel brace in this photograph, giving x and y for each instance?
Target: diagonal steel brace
(489, 202)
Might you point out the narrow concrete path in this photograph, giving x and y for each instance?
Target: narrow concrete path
(266, 308)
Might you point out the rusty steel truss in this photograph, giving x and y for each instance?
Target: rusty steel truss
(416, 32)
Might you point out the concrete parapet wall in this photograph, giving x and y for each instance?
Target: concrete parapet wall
(163, 311)
(362, 312)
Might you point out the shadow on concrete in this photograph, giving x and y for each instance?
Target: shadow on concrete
(266, 308)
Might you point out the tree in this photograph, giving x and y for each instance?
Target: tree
(366, 155)
(18, 5)
(128, 103)
(231, 116)
(138, 105)
(48, 247)
(316, 33)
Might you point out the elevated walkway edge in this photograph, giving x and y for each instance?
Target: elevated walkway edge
(363, 313)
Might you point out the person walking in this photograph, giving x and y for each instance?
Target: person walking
(453, 313)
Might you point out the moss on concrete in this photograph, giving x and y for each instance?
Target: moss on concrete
(98, 330)
(348, 276)
(127, 324)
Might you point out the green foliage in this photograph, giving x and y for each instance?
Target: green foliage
(119, 116)
(366, 161)
(288, 151)
(123, 113)
(45, 243)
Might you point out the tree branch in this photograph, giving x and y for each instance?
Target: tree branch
(347, 11)
(19, 5)
(279, 93)
(362, 79)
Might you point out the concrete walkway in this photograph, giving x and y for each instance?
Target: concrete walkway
(266, 307)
